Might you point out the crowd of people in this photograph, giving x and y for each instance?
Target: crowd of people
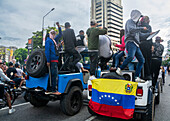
(10, 73)
(137, 51)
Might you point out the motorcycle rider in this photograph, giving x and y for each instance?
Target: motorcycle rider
(2, 91)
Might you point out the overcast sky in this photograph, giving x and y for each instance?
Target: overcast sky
(19, 18)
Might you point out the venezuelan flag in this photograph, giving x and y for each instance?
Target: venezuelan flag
(113, 98)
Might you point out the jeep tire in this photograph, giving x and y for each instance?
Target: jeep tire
(36, 64)
(150, 114)
(157, 98)
(37, 102)
(71, 102)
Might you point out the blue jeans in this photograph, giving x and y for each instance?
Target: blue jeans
(133, 50)
(54, 76)
(117, 57)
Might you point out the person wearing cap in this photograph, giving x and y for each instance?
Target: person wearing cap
(2, 91)
(51, 53)
(132, 41)
(70, 45)
(93, 45)
(12, 74)
(20, 72)
(156, 59)
(146, 48)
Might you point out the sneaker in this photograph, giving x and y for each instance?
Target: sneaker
(48, 93)
(119, 71)
(11, 111)
(19, 89)
(92, 77)
(139, 80)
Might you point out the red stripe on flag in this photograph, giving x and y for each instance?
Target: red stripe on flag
(111, 111)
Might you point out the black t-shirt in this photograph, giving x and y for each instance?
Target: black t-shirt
(11, 72)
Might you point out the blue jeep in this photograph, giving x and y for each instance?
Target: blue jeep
(71, 84)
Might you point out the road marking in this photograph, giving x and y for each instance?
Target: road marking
(15, 106)
(91, 118)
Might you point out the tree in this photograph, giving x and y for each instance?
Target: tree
(21, 54)
(38, 39)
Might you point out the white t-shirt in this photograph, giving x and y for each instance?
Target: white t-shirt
(104, 46)
(19, 72)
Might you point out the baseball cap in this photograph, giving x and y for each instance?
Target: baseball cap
(93, 22)
(67, 24)
(10, 64)
(158, 39)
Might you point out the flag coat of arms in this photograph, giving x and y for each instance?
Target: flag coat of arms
(113, 98)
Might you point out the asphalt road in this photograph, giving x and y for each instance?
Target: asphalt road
(26, 112)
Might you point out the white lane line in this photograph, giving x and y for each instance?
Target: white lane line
(15, 106)
(91, 118)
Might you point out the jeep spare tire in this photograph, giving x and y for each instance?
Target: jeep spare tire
(36, 65)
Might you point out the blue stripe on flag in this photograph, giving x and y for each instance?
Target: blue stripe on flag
(126, 101)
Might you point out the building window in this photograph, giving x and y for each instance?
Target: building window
(99, 3)
(98, 18)
(98, 10)
(114, 5)
(98, 14)
(113, 32)
(114, 36)
(115, 20)
(99, 21)
(99, 25)
(115, 24)
(110, 27)
(115, 16)
(115, 13)
(98, 6)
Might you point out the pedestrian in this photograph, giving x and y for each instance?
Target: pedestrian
(163, 74)
(156, 59)
(93, 45)
(70, 46)
(105, 50)
(51, 53)
(132, 41)
(20, 72)
(146, 48)
(2, 91)
(12, 74)
(24, 66)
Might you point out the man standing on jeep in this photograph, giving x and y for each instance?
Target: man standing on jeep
(93, 45)
(51, 53)
(70, 45)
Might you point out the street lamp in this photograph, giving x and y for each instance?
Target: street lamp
(43, 19)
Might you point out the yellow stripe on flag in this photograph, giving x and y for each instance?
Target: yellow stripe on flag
(115, 86)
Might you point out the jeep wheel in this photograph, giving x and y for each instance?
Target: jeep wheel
(36, 64)
(157, 98)
(37, 102)
(150, 114)
(27, 96)
(71, 103)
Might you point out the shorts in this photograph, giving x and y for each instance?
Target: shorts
(17, 81)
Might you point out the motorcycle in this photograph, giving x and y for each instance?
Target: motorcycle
(8, 87)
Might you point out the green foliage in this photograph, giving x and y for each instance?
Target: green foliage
(21, 54)
(38, 38)
(166, 62)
